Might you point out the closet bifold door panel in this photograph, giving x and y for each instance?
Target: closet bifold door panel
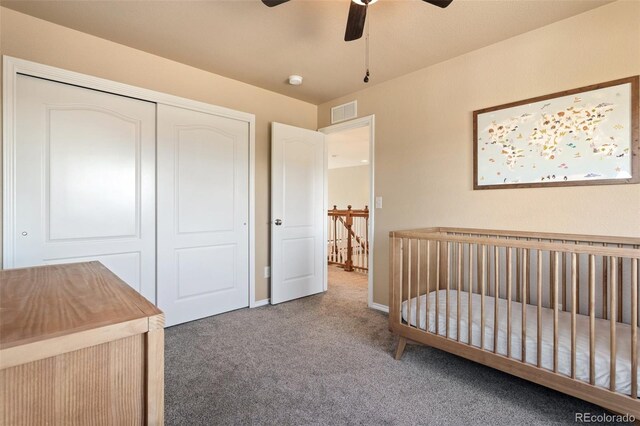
(84, 181)
(203, 214)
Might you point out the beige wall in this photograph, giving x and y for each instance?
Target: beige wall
(424, 135)
(29, 38)
(349, 186)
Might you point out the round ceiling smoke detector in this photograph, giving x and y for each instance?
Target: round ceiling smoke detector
(295, 80)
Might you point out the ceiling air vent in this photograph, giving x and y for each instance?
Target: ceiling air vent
(344, 112)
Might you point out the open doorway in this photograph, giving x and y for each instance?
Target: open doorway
(350, 217)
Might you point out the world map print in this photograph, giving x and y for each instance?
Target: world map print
(586, 136)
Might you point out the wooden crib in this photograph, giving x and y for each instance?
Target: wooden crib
(559, 310)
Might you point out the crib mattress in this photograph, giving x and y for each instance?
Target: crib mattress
(602, 354)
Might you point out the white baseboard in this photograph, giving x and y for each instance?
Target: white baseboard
(379, 307)
(259, 303)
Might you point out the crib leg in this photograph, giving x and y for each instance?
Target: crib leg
(402, 342)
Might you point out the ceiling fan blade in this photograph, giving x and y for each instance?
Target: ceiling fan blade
(355, 21)
(439, 3)
(272, 3)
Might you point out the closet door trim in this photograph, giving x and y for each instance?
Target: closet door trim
(12, 67)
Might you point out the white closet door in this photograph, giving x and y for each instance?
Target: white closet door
(203, 212)
(84, 181)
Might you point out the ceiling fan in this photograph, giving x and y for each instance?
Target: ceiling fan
(358, 13)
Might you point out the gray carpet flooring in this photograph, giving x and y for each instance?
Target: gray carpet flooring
(327, 360)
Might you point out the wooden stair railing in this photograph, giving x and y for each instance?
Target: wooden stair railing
(347, 227)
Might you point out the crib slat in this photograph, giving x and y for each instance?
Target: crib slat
(524, 308)
(592, 319)
(428, 283)
(518, 275)
(409, 262)
(552, 301)
(483, 284)
(470, 309)
(418, 268)
(539, 318)
(620, 281)
(555, 310)
(437, 319)
(605, 289)
(578, 287)
(528, 275)
(574, 281)
(509, 285)
(496, 295)
(634, 328)
(564, 280)
(460, 256)
(448, 284)
(613, 322)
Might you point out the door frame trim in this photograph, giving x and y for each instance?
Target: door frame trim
(14, 66)
(369, 120)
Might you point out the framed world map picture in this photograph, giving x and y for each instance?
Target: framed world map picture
(585, 136)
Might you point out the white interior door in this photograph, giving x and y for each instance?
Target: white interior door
(84, 181)
(298, 212)
(203, 212)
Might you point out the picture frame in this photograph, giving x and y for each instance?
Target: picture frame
(583, 136)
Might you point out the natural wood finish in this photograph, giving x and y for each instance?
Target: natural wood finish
(634, 328)
(574, 303)
(535, 245)
(99, 384)
(78, 346)
(155, 370)
(418, 267)
(539, 310)
(459, 289)
(518, 276)
(605, 287)
(30, 352)
(402, 343)
(509, 290)
(409, 263)
(487, 273)
(437, 287)
(428, 284)
(620, 282)
(448, 284)
(349, 222)
(44, 302)
(524, 314)
(483, 286)
(496, 278)
(555, 311)
(592, 319)
(470, 308)
(564, 281)
(635, 136)
(612, 330)
(594, 394)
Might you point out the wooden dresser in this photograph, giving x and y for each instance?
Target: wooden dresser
(78, 346)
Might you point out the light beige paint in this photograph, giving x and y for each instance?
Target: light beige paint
(424, 139)
(349, 186)
(245, 40)
(25, 37)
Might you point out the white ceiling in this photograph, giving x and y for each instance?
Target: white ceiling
(247, 41)
(348, 148)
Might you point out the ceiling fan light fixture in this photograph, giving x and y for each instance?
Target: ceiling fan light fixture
(364, 2)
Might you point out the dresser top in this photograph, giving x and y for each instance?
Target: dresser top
(43, 302)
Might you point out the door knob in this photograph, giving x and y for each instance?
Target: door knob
(278, 222)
